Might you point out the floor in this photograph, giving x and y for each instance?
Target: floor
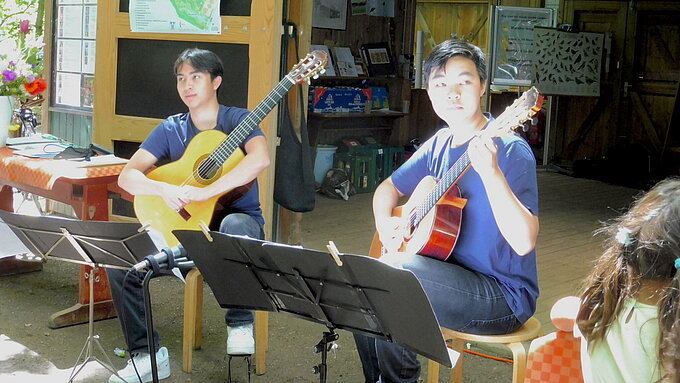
(570, 210)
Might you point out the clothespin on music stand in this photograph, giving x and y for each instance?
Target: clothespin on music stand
(333, 250)
(144, 226)
(206, 231)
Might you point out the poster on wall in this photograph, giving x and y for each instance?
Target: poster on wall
(330, 14)
(567, 63)
(166, 16)
(74, 58)
(512, 47)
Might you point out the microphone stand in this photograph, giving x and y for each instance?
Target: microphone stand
(149, 324)
(155, 268)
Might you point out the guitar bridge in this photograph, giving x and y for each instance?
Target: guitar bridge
(184, 214)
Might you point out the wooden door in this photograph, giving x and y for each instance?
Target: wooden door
(650, 84)
(629, 121)
(587, 126)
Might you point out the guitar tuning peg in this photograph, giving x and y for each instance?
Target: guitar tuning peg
(323, 70)
(309, 82)
(315, 76)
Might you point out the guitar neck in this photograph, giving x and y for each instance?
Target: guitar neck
(450, 177)
(243, 130)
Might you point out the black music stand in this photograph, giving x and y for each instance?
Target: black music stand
(351, 292)
(93, 243)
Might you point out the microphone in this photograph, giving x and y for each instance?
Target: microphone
(167, 258)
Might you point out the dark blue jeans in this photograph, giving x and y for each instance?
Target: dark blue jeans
(462, 299)
(129, 299)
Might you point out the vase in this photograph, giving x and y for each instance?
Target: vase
(6, 112)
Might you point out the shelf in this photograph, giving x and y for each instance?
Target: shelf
(376, 114)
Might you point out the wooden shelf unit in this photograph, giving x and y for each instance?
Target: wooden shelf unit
(385, 126)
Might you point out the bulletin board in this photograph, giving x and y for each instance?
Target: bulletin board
(512, 43)
(567, 63)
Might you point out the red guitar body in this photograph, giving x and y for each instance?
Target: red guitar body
(436, 234)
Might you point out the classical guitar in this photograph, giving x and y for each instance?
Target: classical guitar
(210, 155)
(432, 216)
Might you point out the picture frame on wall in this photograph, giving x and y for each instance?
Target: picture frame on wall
(378, 59)
(330, 14)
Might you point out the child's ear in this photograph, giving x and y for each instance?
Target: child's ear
(483, 89)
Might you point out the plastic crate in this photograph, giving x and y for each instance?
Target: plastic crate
(361, 169)
(394, 157)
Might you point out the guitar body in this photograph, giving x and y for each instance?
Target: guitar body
(436, 234)
(152, 210)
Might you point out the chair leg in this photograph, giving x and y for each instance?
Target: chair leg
(261, 341)
(519, 357)
(457, 371)
(198, 306)
(191, 294)
(432, 371)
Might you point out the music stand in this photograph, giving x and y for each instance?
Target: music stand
(355, 293)
(96, 244)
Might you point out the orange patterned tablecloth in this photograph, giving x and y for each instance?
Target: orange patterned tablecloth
(42, 173)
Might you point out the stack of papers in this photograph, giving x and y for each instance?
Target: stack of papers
(46, 150)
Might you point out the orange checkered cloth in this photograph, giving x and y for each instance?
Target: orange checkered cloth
(42, 173)
(554, 358)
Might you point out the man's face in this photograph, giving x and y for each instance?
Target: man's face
(455, 90)
(195, 87)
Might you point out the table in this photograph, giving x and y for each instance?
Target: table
(86, 190)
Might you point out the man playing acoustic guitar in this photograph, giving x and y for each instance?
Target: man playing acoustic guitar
(488, 284)
(199, 75)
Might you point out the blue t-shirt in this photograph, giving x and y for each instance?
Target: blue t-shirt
(480, 245)
(169, 140)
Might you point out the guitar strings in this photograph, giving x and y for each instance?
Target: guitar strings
(215, 160)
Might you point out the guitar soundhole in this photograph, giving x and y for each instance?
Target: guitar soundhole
(207, 170)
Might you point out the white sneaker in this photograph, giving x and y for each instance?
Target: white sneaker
(240, 340)
(143, 364)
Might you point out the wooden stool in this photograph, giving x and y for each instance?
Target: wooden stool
(528, 331)
(193, 324)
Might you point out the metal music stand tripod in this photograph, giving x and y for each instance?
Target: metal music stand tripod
(340, 292)
(93, 243)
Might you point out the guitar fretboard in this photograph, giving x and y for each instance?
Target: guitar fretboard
(236, 137)
(449, 178)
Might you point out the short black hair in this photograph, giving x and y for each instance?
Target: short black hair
(201, 59)
(441, 54)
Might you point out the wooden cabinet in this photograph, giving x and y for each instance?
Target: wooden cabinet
(386, 126)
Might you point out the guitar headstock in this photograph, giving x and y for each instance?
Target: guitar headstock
(516, 114)
(310, 66)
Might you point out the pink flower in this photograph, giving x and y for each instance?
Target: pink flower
(24, 27)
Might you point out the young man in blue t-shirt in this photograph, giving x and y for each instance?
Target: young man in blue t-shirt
(489, 284)
(199, 76)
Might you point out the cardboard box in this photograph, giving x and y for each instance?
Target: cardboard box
(339, 100)
(379, 98)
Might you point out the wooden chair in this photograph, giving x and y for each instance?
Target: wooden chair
(528, 331)
(193, 324)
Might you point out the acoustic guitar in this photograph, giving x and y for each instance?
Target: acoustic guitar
(432, 216)
(210, 155)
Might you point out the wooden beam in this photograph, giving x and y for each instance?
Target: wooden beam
(646, 120)
(423, 25)
(672, 120)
